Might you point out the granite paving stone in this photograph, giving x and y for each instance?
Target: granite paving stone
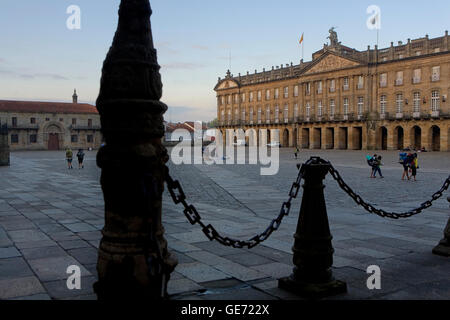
(11, 268)
(55, 268)
(20, 287)
(9, 252)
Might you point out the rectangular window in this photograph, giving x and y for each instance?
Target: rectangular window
(236, 114)
(90, 138)
(360, 82)
(243, 97)
(277, 113)
(399, 78)
(222, 100)
(267, 114)
(89, 123)
(416, 102)
(229, 115)
(346, 106)
(417, 75)
(14, 122)
(250, 99)
(251, 115)
(259, 95)
(360, 105)
(74, 121)
(259, 114)
(436, 74)
(383, 80)
(32, 120)
(399, 103)
(61, 119)
(383, 102)
(267, 94)
(332, 107)
(296, 91)
(435, 98)
(222, 115)
(33, 138)
(243, 114)
(74, 138)
(346, 83)
(319, 108)
(319, 87)
(14, 138)
(229, 99)
(296, 111)
(286, 92)
(236, 98)
(277, 93)
(308, 88)
(47, 119)
(332, 85)
(308, 110)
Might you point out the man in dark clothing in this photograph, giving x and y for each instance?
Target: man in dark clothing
(80, 156)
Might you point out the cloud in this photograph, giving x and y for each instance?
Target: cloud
(53, 76)
(200, 47)
(165, 46)
(182, 65)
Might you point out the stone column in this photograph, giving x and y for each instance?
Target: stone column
(4, 145)
(133, 259)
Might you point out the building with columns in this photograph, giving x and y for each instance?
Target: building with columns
(51, 125)
(378, 99)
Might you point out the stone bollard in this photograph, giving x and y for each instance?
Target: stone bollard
(134, 262)
(443, 248)
(4, 145)
(313, 252)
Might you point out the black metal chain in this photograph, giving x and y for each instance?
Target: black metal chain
(392, 215)
(191, 213)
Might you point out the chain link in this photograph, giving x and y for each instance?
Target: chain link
(191, 213)
(392, 215)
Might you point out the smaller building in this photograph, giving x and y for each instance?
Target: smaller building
(189, 129)
(51, 125)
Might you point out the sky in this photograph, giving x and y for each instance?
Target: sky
(197, 42)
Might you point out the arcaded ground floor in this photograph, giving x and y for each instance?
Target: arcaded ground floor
(433, 135)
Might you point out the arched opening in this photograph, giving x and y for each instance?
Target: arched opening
(435, 138)
(416, 137)
(399, 138)
(383, 138)
(286, 138)
(54, 136)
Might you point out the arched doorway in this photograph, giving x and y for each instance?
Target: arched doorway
(435, 138)
(53, 133)
(286, 138)
(383, 138)
(416, 137)
(399, 137)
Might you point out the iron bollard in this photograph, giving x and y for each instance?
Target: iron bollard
(313, 251)
(443, 248)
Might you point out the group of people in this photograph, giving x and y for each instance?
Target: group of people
(80, 157)
(409, 161)
(410, 164)
(375, 163)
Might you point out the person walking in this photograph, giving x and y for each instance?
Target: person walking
(371, 162)
(377, 165)
(296, 151)
(80, 156)
(414, 166)
(404, 163)
(69, 155)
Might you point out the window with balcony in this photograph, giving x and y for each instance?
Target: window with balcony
(236, 98)
(229, 116)
(383, 80)
(259, 114)
(90, 138)
(222, 115)
(308, 110)
(259, 95)
(277, 93)
(346, 84)
(399, 103)
(74, 138)
(332, 85)
(90, 123)
(399, 78)
(236, 114)
(436, 74)
(229, 99)
(346, 106)
(243, 97)
(416, 102)
(332, 107)
(33, 120)
(286, 113)
(14, 122)
(417, 75)
(250, 97)
(308, 88)
(435, 98)
(360, 105)
(251, 115)
(296, 91)
(286, 92)
(222, 100)
(243, 114)
(296, 111)
(267, 94)
(74, 121)
(319, 87)
(268, 114)
(319, 109)
(383, 103)
(277, 113)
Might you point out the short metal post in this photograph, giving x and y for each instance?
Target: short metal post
(443, 248)
(313, 252)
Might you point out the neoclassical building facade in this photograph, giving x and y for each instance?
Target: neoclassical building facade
(50, 125)
(378, 99)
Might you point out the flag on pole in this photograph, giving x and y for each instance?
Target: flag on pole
(301, 39)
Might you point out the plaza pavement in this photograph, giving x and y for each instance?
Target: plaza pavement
(51, 217)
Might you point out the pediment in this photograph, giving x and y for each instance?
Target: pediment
(331, 62)
(227, 84)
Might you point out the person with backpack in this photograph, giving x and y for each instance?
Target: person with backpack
(414, 166)
(371, 163)
(69, 156)
(80, 156)
(377, 165)
(296, 151)
(404, 162)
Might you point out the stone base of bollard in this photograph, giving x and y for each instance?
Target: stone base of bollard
(443, 248)
(312, 290)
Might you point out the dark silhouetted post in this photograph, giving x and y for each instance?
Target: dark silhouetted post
(4, 145)
(133, 260)
(313, 252)
(443, 248)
